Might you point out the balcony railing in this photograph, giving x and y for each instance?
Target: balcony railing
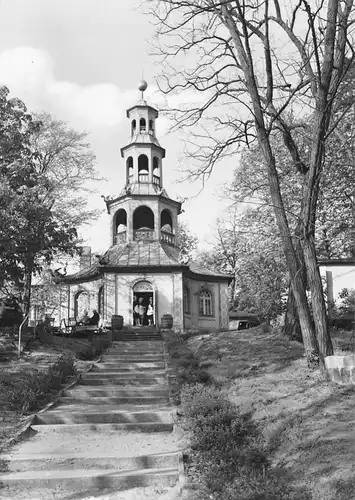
(144, 234)
(168, 238)
(120, 237)
(156, 180)
(143, 177)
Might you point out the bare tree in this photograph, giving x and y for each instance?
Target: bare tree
(250, 65)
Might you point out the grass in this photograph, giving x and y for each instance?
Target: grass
(29, 383)
(305, 422)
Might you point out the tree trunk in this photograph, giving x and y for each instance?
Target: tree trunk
(26, 293)
(317, 300)
(292, 327)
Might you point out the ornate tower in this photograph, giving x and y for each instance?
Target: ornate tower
(143, 210)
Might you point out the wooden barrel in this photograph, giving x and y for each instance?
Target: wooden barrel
(116, 322)
(166, 322)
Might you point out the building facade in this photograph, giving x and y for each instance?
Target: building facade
(142, 263)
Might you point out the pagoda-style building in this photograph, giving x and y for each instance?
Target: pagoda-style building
(143, 259)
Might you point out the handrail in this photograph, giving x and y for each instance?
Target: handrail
(20, 336)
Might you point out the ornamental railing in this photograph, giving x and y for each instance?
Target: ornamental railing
(143, 177)
(143, 234)
(121, 237)
(168, 238)
(156, 180)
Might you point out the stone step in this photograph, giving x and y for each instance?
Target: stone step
(109, 427)
(127, 374)
(113, 378)
(112, 400)
(133, 358)
(89, 461)
(139, 338)
(102, 416)
(72, 481)
(87, 408)
(116, 391)
(127, 367)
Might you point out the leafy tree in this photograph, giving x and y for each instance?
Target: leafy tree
(43, 164)
(306, 52)
(186, 242)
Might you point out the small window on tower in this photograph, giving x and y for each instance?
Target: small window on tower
(134, 126)
(151, 126)
(142, 125)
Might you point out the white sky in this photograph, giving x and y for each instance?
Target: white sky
(81, 60)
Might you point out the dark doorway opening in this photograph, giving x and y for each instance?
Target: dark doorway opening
(146, 297)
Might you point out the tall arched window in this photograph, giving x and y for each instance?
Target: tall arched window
(101, 301)
(120, 226)
(143, 223)
(166, 221)
(143, 168)
(156, 170)
(186, 299)
(134, 126)
(129, 167)
(142, 125)
(151, 126)
(205, 303)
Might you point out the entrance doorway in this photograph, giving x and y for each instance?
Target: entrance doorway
(143, 295)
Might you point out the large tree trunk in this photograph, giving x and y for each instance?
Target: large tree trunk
(292, 327)
(317, 299)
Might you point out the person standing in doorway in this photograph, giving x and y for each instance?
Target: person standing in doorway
(150, 311)
(141, 311)
(135, 311)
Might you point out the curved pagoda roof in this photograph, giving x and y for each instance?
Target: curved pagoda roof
(140, 256)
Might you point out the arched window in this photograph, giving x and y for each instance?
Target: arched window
(121, 220)
(129, 166)
(156, 170)
(143, 168)
(120, 227)
(134, 126)
(186, 299)
(142, 125)
(151, 126)
(205, 302)
(166, 221)
(101, 300)
(81, 303)
(143, 223)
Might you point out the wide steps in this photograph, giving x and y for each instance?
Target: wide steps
(89, 461)
(73, 480)
(117, 379)
(113, 400)
(127, 367)
(111, 431)
(100, 428)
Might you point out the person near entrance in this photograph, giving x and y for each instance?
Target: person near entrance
(95, 318)
(150, 312)
(135, 311)
(140, 310)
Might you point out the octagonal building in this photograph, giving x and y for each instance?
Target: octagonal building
(142, 264)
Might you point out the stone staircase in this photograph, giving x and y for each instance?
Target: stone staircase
(112, 431)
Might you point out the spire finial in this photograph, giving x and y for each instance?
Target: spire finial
(142, 87)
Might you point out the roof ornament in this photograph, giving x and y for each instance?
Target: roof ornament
(143, 85)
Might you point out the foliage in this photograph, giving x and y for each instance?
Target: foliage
(186, 242)
(347, 297)
(248, 247)
(43, 164)
(24, 392)
(248, 69)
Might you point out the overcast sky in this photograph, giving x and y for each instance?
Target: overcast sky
(81, 60)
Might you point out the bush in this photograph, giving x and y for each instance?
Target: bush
(97, 346)
(25, 391)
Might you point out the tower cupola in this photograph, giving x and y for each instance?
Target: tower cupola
(143, 153)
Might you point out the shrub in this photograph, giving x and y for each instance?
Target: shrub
(24, 391)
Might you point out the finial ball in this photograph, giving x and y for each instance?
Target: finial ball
(142, 85)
